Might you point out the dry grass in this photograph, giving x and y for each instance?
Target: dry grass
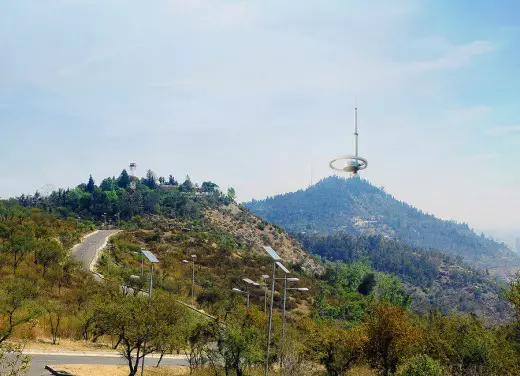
(66, 345)
(362, 371)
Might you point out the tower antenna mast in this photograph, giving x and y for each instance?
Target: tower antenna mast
(351, 163)
(355, 133)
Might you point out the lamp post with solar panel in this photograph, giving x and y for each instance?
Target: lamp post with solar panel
(285, 280)
(153, 260)
(275, 257)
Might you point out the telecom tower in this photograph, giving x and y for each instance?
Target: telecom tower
(133, 177)
(352, 163)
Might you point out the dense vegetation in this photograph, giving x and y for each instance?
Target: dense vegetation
(354, 318)
(355, 206)
(114, 200)
(444, 282)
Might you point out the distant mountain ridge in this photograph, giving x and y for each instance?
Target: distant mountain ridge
(354, 206)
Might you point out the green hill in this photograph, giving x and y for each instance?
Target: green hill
(362, 289)
(172, 218)
(354, 206)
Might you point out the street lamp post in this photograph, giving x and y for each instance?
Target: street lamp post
(246, 293)
(109, 246)
(265, 277)
(151, 257)
(275, 257)
(285, 271)
(285, 289)
(249, 282)
(193, 258)
(142, 262)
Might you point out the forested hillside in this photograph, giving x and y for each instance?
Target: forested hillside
(354, 318)
(113, 200)
(435, 280)
(354, 206)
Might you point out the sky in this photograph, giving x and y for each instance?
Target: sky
(257, 94)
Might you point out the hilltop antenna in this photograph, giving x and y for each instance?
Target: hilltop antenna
(133, 177)
(352, 163)
(355, 133)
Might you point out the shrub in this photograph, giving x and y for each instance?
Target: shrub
(422, 365)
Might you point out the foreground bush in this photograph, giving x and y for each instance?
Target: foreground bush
(422, 365)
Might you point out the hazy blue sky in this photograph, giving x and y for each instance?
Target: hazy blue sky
(250, 94)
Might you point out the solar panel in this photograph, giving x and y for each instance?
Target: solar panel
(282, 267)
(150, 256)
(272, 253)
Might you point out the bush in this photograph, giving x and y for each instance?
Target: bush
(422, 365)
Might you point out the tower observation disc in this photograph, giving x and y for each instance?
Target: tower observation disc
(350, 163)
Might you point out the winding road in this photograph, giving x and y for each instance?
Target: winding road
(86, 252)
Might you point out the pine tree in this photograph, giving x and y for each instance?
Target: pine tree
(124, 180)
(90, 185)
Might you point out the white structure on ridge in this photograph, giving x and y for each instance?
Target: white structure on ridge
(133, 177)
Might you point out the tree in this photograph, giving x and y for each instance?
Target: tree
(19, 245)
(171, 180)
(231, 194)
(187, 186)
(48, 252)
(12, 360)
(422, 365)
(55, 311)
(465, 346)
(107, 184)
(199, 336)
(208, 187)
(16, 305)
(143, 326)
(390, 290)
(150, 180)
(124, 180)
(368, 284)
(240, 342)
(392, 337)
(338, 349)
(90, 185)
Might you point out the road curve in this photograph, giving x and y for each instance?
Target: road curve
(85, 252)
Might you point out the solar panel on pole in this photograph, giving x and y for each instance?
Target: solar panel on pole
(272, 253)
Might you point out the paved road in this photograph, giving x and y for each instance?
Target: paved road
(38, 362)
(86, 251)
